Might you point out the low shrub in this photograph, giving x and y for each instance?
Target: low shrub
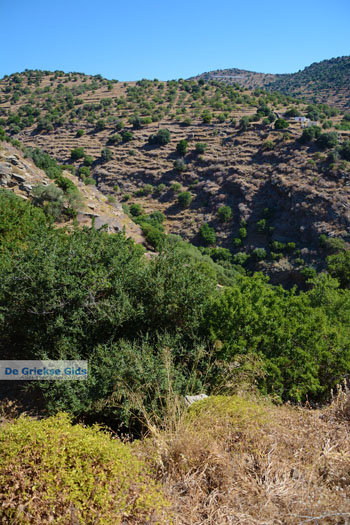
(70, 473)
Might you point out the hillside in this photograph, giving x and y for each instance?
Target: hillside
(21, 176)
(326, 82)
(279, 191)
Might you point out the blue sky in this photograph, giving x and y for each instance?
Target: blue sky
(170, 39)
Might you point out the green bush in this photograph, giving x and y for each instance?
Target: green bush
(135, 209)
(327, 140)
(280, 123)
(184, 199)
(179, 165)
(259, 253)
(106, 155)
(80, 132)
(240, 258)
(126, 135)
(220, 254)
(84, 171)
(298, 336)
(244, 123)
(77, 153)
(242, 232)
(100, 125)
(224, 213)
(88, 160)
(207, 117)
(176, 187)
(207, 234)
(200, 148)
(345, 150)
(181, 147)
(65, 467)
(114, 138)
(153, 235)
(118, 125)
(311, 133)
(339, 267)
(161, 138)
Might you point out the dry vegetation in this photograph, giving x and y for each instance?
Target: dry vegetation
(242, 461)
(237, 460)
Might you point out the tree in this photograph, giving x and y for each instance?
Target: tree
(302, 346)
(181, 147)
(224, 213)
(118, 124)
(184, 199)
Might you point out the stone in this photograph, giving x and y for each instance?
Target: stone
(189, 400)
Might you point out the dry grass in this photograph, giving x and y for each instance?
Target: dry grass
(239, 461)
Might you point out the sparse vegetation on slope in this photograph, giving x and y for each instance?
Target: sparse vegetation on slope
(217, 142)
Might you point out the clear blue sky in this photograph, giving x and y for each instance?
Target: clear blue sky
(170, 38)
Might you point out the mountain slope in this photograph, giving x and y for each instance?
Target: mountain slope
(325, 82)
(279, 190)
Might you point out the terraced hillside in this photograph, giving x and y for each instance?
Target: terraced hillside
(227, 173)
(326, 82)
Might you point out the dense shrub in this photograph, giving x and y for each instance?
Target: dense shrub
(100, 125)
(179, 165)
(50, 198)
(207, 117)
(63, 467)
(299, 340)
